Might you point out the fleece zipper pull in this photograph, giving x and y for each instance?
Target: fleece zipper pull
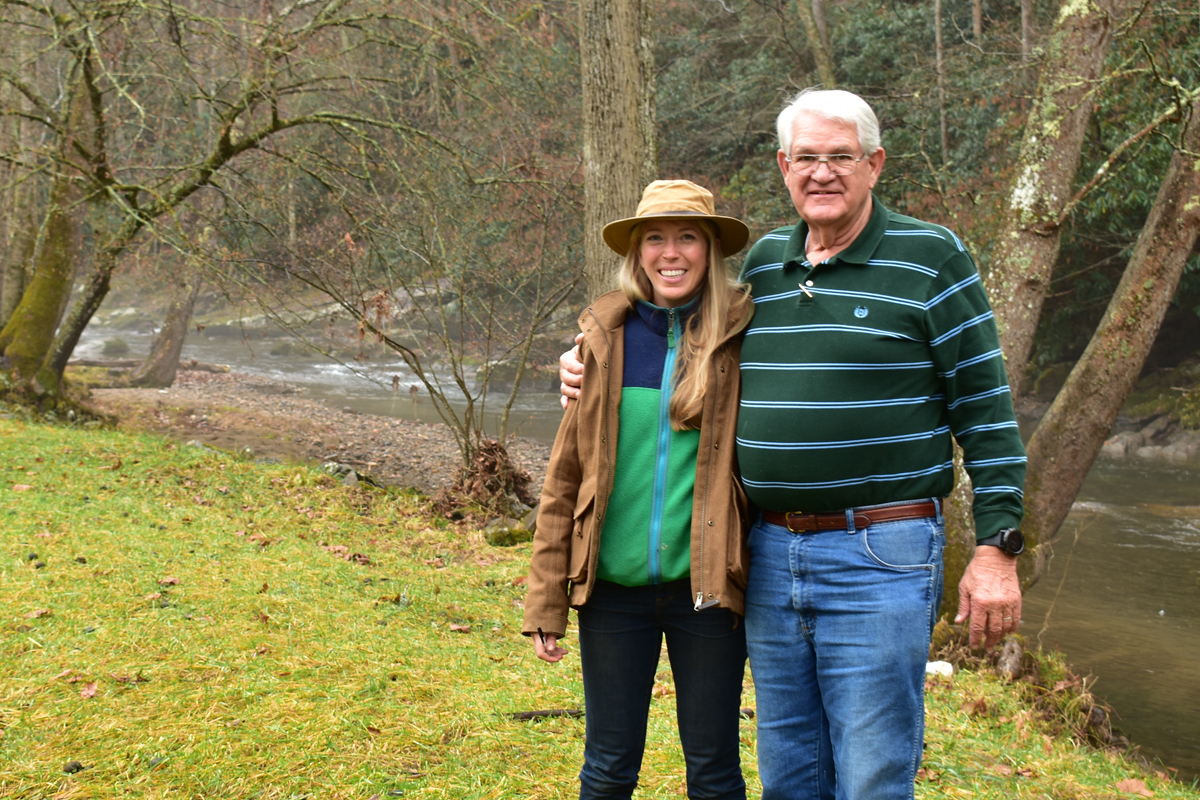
(670, 329)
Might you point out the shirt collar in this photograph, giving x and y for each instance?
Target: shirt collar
(656, 317)
(859, 251)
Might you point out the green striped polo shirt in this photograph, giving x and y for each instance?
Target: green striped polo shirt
(857, 371)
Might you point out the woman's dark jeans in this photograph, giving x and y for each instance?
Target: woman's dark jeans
(620, 637)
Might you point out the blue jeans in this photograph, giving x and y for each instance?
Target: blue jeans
(620, 637)
(838, 626)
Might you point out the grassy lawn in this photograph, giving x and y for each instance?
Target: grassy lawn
(183, 623)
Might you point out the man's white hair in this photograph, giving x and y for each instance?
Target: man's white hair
(835, 104)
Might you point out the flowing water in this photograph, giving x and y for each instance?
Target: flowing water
(1121, 600)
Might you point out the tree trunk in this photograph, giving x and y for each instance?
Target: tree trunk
(960, 535)
(1027, 27)
(19, 259)
(1027, 244)
(818, 7)
(619, 152)
(89, 300)
(977, 19)
(1070, 435)
(28, 335)
(939, 52)
(159, 368)
(817, 43)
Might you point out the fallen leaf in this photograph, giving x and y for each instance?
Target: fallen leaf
(113, 467)
(1025, 772)
(21, 487)
(1133, 786)
(170, 580)
(373, 729)
(263, 589)
(262, 650)
(358, 558)
(39, 612)
(521, 581)
(139, 678)
(263, 618)
(153, 596)
(338, 549)
(89, 690)
(1003, 769)
(460, 628)
(239, 533)
(975, 708)
(661, 690)
(63, 674)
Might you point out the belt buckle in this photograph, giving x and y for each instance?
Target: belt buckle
(787, 519)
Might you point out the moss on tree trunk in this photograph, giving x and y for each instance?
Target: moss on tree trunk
(28, 336)
(1028, 243)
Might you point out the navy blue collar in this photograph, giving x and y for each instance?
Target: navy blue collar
(657, 317)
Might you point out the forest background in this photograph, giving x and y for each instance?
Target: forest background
(429, 170)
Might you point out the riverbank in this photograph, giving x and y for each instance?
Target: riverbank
(180, 621)
(234, 411)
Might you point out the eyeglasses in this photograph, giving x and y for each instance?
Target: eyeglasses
(838, 163)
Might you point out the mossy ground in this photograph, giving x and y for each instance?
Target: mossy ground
(183, 623)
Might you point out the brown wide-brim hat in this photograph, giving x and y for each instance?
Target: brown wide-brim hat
(677, 200)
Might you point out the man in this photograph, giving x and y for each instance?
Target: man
(871, 343)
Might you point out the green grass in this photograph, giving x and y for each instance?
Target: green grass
(276, 667)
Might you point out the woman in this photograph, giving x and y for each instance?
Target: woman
(642, 520)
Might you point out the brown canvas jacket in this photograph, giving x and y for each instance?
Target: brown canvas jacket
(579, 479)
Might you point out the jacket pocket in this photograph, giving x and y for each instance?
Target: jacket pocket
(581, 540)
(737, 562)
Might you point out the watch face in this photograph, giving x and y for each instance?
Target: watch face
(1012, 541)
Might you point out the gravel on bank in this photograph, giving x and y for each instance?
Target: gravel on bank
(236, 411)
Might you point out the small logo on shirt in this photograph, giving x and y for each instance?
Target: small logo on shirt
(860, 311)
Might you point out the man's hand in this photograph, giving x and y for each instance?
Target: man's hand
(549, 651)
(570, 372)
(990, 594)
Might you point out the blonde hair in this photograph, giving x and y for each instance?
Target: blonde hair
(705, 327)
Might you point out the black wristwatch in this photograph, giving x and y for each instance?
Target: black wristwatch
(1009, 540)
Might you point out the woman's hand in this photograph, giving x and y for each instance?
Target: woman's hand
(546, 647)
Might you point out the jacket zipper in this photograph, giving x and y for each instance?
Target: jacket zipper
(662, 455)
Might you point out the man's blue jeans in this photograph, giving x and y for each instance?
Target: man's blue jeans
(620, 637)
(838, 626)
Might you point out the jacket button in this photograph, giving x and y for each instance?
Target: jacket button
(605, 365)
(716, 447)
(710, 522)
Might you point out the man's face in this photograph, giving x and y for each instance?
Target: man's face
(822, 198)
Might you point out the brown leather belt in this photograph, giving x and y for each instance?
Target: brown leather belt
(798, 522)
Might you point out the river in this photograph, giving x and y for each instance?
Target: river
(1127, 610)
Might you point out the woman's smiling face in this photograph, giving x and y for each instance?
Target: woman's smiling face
(674, 255)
